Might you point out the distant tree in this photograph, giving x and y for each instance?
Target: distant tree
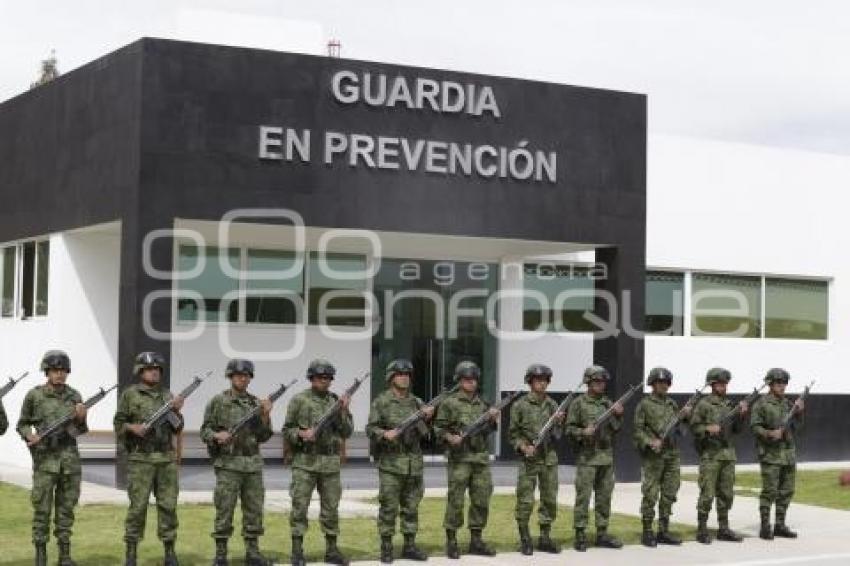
(49, 70)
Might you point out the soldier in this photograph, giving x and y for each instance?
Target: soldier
(316, 460)
(400, 463)
(528, 415)
(56, 469)
(594, 457)
(4, 422)
(660, 460)
(151, 457)
(717, 457)
(237, 461)
(468, 461)
(776, 452)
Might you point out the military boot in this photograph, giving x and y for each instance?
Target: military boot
(40, 554)
(765, 531)
(545, 542)
(477, 546)
(298, 551)
(220, 558)
(130, 553)
(580, 542)
(604, 540)
(702, 529)
(253, 556)
(332, 553)
(412, 552)
(169, 556)
(525, 546)
(452, 550)
(386, 549)
(648, 537)
(724, 533)
(65, 554)
(780, 529)
(664, 536)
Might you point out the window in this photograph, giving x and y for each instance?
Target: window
(347, 305)
(272, 299)
(35, 265)
(8, 264)
(665, 303)
(212, 284)
(42, 262)
(726, 305)
(796, 308)
(566, 292)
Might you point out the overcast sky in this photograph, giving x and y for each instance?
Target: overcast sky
(770, 72)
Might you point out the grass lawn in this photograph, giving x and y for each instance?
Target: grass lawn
(814, 487)
(99, 532)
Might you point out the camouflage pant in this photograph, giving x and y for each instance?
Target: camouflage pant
(716, 480)
(248, 487)
(57, 491)
(399, 491)
(476, 478)
(597, 480)
(301, 491)
(660, 483)
(777, 486)
(528, 474)
(161, 479)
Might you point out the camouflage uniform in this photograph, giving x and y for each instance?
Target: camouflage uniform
(238, 464)
(468, 464)
(400, 463)
(151, 462)
(777, 458)
(55, 461)
(659, 470)
(594, 460)
(4, 422)
(315, 465)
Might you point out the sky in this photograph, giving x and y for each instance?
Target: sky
(770, 72)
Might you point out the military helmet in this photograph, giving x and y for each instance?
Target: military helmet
(399, 365)
(715, 375)
(467, 369)
(659, 374)
(148, 360)
(538, 369)
(595, 372)
(238, 365)
(320, 366)
(777, 374)
(55, 359)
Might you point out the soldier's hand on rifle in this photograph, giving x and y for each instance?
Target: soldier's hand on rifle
(744, 407)
(177, 403)
(266, 407)
(618, 408)
(138, 429)
(589, 430)
(307, 435)
(390, 435)
(655, 444)
(799, 405)
(560, 416)
(528, 450)
(494, 415)
(775, 434)
(344, 402)
(428, 412)
(222, 437)
(454, 439)
(32, 439)
(713, 429)
(80, 412)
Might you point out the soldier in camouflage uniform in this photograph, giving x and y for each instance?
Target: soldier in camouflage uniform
(151, 457)
(776, 452)
(660, 461)
(717, 457)
(528, 415)
(56, 469)
(237, 461)
(4, 422)
(316, 461)
(400, 463)
(594, 457)
(468, 461)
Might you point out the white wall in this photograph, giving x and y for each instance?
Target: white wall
(82, 320)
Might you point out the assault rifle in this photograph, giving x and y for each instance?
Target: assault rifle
(602, 419)
(481, 424)
(64, 422)
(166, 411)
(673, 423)
(786, 420)
(414, 418)
(546, 431)
(333, 411)
(730, 417)
(11, 385)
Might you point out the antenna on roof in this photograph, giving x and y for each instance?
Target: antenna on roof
(334, 47)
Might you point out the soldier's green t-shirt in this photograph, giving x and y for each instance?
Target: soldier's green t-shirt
(242, 453)
(712, 409)
(136, 404)
(302, 413)
(652, 415)
(597, 450)
(42, 406)
(402, 456)
(453, 415)
(528, 415)
(767, 414)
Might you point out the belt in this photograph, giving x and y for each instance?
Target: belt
(323, 450)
